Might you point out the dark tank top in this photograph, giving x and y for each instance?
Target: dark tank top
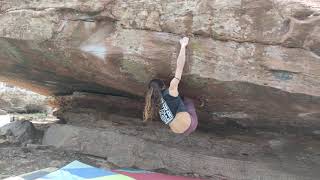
(170, 106)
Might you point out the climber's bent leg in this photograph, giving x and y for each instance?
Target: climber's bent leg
(194, 118)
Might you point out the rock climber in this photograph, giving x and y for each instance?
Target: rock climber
(174, 110)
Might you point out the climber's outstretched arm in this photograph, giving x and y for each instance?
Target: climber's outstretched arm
(173, 89)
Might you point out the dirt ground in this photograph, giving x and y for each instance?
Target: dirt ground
(16, 160)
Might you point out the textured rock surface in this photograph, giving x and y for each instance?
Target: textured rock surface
(253, 61)
(18, 132)
(210, 156)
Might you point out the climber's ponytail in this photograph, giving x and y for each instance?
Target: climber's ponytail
(153, 100)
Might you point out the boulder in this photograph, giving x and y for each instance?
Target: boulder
(253, 62)
(18, 132)
(215, 157)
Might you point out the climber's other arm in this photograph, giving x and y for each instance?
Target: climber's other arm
(173, 89)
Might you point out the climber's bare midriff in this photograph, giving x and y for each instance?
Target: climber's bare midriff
(181, 122)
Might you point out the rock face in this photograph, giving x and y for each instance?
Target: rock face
(256, 62)
(18, 132)
(209, 156)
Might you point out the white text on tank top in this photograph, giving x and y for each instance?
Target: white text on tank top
(165, 113)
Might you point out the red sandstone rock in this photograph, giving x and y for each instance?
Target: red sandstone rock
(256, 62)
